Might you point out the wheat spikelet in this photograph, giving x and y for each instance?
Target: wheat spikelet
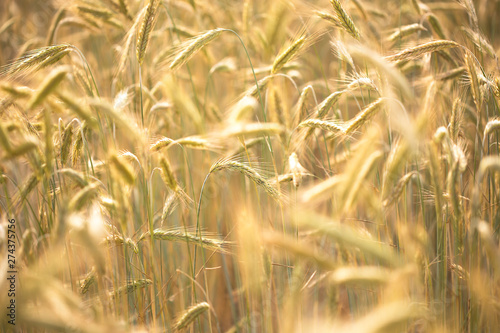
(212, 244)
(161, 143)
(89, 280)
(97, 12)
(16, 91)
(67, 139)
(405, 31)
(419, 50)
(451, 74)
(78, 177)
(188, 316)
(28, 186)
(456, 118)
(301, 107)
(322, 190)
(327, 103)
(346, 235)
(168, 175)
(344, 19)
(124, 9)
(436, 25)
(353, 183)
(396, 192)
(83, 197)
(143, 36)
(473, 81)
(301, 251)
(168, 207)
(74, 105)
(328, 17)
(191, 47)
(366, 114)
(48, 86)
(124, 169)
(228, 164)
(259, 87)
(37, 59)
(120, 240)
(329, 126)
(366, 275)
(128, 44)
(21, 149)
(193, 142)
(131, 287)
(253, 130)
(492, 125)
(76, 150)
(479, 42)
(288, 54)
(296, 169)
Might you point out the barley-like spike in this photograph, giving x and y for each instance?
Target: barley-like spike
(37, 59)
(344, 19)
(451, 74)
(324, 125)
(417, 51)
(75, 175)
(473, 81)
(179, 236)
(168, 175)
(131, 287)
(148, 22)
(82, 197)
(124, 9)
(128, 44)
(396, 193)
(288, 54)
(21, 149)
(48, 86)
(479, 42)
(406, 31)
(436, 26)
(190, 315)
(168, 207)
(119, 240)
(89, 280)
(492, 125)
(191, 47)
(366, 114)
(227, 164)
(455, 119)
(97, 12)
(326, 105)
(67, 139)
(124, 169)
(329, 17)
(74, 105)
(253, 130)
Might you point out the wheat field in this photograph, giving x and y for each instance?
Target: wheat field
(249, 166)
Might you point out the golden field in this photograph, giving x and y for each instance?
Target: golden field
(249, 166)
